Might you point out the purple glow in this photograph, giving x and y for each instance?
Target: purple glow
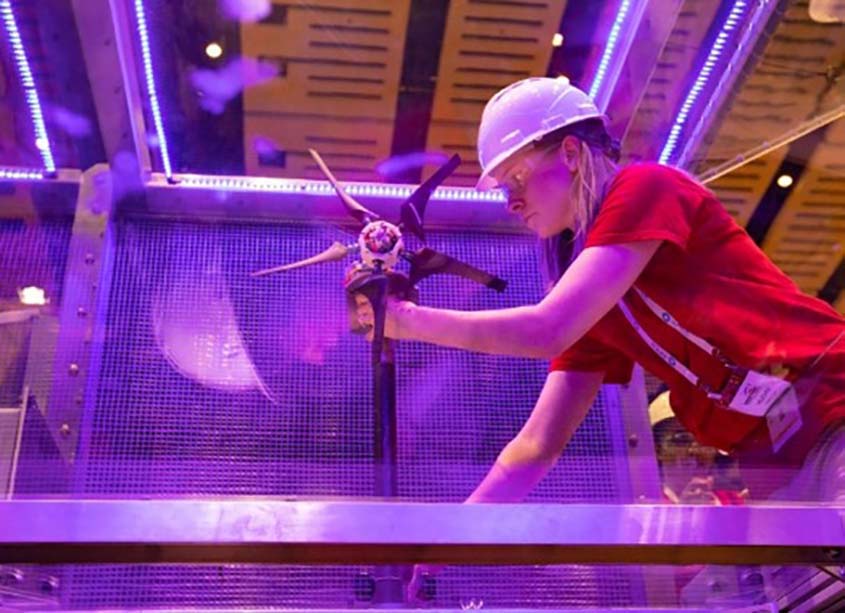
(36, 115)
(398, 164)
(246, 11)
(72, 123)
(218, 87)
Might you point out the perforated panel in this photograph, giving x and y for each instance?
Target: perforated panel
(337, 60)
(741, 190)
(806, 240)
(155, 432)
(487, 45)
(787, 86)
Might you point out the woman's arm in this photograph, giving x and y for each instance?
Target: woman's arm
(591, 286)
(561, 407)
(564, 402)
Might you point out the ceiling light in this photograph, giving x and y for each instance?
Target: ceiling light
(32, 296)
(784, 181)
(213, 50)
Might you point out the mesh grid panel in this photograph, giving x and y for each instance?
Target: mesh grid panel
(275, 399)
(33, 254)
(30, 255)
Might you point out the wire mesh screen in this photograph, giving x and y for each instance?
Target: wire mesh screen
(31, 255)
(216, 383)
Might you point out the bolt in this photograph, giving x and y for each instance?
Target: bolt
(64, 430)
(633, 441)
(49, 585)
(73, 369)
(81, 312)
(89, 258)
(11, 576)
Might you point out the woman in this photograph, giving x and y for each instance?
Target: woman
(645, 266)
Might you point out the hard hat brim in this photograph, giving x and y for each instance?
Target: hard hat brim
(486, 182)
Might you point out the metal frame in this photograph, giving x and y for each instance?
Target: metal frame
(316, 532)
(756, 609)
(110, 58)
(642, 473)
(306, 201)
(744, 48)
(87, 278)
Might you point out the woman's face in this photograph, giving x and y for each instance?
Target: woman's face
(537, 185)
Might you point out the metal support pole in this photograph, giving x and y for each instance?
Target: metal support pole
(389, 587)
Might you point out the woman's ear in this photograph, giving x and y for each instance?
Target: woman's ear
(570, 152)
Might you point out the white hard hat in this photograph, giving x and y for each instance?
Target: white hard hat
(660, 409)
(524, 112)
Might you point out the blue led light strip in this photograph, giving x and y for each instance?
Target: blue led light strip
(324, 188)
(155, 107)
(737, 12)
(42, 143)
(609, 49)
(20, 174)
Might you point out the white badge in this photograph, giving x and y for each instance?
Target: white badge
(758, 393)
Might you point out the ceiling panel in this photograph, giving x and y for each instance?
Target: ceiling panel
(807, 238)
(741, 190)
(487, 45)
(339, 64)
(789, 84)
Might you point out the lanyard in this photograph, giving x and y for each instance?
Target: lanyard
(667, 357)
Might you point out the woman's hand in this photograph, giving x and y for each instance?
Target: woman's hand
(397, 315)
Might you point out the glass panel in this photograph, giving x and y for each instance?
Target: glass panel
(142, 359)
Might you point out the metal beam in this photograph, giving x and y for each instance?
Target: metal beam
(105, 31)
(85, 287)
(263, 199)
(311, 532)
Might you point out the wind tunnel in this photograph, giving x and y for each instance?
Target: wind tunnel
(180, 432)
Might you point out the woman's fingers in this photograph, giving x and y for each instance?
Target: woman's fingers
(364, 310)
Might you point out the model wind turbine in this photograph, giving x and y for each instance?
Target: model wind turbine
(380, 242)
(381, 246)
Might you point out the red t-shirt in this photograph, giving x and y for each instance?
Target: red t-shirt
(718, 284)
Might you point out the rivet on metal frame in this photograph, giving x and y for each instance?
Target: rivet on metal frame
(49, 585)
(89, 258)
(64, 429)
(633, 441)
(82, 312)
(73, 369)
(11, 576)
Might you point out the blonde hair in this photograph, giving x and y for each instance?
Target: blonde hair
(593, 174)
